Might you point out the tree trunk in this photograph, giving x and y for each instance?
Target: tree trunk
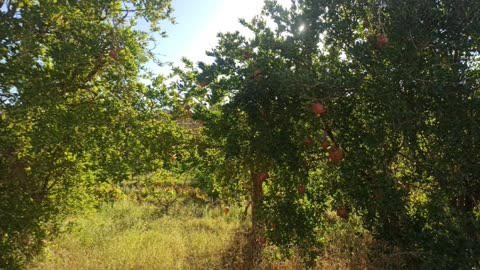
(257, 202)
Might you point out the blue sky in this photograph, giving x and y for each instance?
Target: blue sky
(198, 22)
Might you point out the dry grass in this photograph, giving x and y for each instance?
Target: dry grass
(346, 246)
(129, 236)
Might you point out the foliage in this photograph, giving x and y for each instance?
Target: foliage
(399, 81)
(73, 111)
(164, 190)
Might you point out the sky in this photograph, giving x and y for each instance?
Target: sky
(198, 22)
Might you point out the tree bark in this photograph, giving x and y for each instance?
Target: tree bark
(257, 201)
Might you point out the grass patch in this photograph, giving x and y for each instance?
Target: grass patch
(345, 245)
(127, 235)
(130, 235)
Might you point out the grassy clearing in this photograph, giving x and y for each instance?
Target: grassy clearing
(131, 236)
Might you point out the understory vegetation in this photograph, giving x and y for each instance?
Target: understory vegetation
(128, 233)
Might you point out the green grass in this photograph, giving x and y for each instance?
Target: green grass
(127, 235)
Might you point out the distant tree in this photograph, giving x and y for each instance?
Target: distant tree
(73, 110)
(373, 104)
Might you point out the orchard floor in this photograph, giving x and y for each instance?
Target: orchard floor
(126, 235)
